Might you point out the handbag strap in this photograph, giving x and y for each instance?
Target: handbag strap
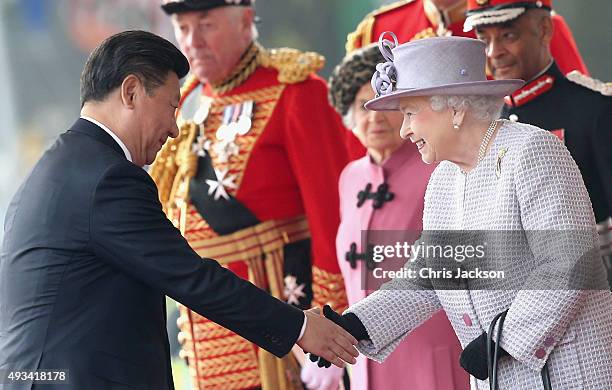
(493, 353)
(546, 377)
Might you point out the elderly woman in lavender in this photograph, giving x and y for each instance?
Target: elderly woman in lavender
(494, 176)
(381, 191)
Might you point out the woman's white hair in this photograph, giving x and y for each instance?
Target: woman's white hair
(483, 107)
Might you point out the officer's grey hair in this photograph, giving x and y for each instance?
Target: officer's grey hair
(482, 106)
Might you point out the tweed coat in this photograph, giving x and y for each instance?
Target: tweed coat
(537, 186)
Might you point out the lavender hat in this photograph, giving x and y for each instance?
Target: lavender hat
(433, 66)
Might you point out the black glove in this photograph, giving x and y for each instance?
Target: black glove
(474, 357)
(349, 322)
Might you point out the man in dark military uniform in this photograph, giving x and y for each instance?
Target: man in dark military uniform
(251, 180)
(575, 108)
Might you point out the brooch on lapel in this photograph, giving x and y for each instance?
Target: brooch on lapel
(500, 156)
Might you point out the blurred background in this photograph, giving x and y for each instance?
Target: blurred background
(44, 45)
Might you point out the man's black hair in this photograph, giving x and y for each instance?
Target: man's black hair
(143, 54)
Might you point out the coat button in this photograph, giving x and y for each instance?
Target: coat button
(513, 118)
(467, 320)
(540, 353)
(549, 341)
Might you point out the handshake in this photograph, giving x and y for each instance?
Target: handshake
(331, 344)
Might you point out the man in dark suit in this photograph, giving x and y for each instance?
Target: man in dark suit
(89, 255)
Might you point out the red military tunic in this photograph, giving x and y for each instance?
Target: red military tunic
(416, 19)
(285, 166)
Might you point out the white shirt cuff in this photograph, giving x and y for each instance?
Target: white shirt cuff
(303, 328)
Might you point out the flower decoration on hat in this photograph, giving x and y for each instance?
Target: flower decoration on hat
(385, 77)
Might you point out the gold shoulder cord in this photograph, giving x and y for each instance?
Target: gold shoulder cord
(247, 65)
(362, 35)
(293, 66)
(164, 169)
(175, 164)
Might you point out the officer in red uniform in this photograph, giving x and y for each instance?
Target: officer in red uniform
(574, 107)
(415, 19)
(251, 180)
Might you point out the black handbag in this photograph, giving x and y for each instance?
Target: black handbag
(493, 352)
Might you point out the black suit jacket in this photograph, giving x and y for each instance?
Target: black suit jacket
(585, 116)
(87, 259)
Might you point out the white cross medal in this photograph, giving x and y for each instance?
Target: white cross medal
(217, 188)
(201, 146)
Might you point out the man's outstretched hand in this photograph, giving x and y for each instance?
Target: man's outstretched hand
(349, 322)
(328, 340)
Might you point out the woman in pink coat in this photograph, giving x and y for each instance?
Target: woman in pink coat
(384, 190)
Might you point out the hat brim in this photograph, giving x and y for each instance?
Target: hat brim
(499, 88)
(175, 8)
(185, 6)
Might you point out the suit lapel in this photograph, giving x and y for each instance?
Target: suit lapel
(86, 127)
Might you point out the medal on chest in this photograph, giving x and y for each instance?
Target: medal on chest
(236, 121)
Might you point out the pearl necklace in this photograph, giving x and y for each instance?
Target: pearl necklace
(484, 144)
(485, 141)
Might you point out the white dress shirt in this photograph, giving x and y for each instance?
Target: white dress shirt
(127, 153)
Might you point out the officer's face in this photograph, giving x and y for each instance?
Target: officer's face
(378, 131)
(213, 41)
(518, 49)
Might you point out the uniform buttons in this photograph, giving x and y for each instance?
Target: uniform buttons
(540, 353)
(513, 118)
(467, 320)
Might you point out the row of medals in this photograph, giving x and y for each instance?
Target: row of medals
(237, 120)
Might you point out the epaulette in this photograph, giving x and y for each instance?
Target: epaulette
(293, 66)
(363, 32)
(590, 83)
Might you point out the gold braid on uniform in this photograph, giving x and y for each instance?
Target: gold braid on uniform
(362, 35)
(175, 162)
(293, 66)
(328, 289)
(164, 168)
(427, 33)
(246, 67)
